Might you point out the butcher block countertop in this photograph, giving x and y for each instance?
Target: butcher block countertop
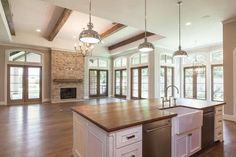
(115, 116)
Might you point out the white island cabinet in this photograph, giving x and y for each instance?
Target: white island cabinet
(92, 141)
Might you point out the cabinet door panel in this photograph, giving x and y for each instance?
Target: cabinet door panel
(181, 149)
(195, 141)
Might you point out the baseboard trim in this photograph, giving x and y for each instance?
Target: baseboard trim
(3, 103)
(229, 117)
(46, 100)
(66, 101)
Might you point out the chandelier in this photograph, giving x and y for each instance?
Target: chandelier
(85, 49)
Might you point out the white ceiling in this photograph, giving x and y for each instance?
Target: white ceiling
(77, 21)
(29, 15)
(205, 16)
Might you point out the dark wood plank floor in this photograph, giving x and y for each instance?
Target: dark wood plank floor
(45, 130)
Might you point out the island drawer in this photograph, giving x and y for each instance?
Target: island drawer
(133, 150)
(128, 136)
(219, 110)
(218, 121)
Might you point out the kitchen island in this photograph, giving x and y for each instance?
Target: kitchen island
(116, 129)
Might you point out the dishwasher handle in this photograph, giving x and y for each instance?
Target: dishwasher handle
(157, 128)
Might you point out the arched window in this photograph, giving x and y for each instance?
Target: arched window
(24, 56)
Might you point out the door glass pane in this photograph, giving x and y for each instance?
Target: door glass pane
(217, 83)
(162, 82)
(16, 83)
(188, 83)
(201, 82)
(117, 90)
(103, 82)
(124, 82)
(169, 79)
(144, 84)
(34, 79)
(93, 82)
(135, 83)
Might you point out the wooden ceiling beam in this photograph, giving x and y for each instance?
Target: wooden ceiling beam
(8, 14)
(130, 40)
(60, 22)
(115, 28)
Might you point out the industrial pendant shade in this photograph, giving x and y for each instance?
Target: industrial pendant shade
(180, 53)
(89, 35)
(146, 46)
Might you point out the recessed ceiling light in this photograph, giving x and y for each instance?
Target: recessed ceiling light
(188, 23)
(38, 30)
(74, 36)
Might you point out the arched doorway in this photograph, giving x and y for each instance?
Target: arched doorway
(24, 77)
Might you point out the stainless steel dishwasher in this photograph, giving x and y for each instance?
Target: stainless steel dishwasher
(157, 139)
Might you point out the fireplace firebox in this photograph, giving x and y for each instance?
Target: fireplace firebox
(68, 93)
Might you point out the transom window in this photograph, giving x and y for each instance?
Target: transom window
(98, 63)
(25, 56)
(217, 56)
(166, 59)
(196, 59)
(139, 59)
(120, 62)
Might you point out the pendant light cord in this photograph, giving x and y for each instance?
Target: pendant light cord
(145, 19)
(90, 6)
(180, 2)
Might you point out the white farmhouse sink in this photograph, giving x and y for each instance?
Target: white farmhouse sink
(187, 119)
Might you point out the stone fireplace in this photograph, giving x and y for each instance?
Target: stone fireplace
(67, 74)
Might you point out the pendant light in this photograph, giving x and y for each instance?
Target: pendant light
(180, 53)
(89, 35)
(146, 46)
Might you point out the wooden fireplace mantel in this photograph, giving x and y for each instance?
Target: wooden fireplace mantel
(68, 80)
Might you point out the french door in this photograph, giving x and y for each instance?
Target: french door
(98, 83)
(139, 82)
(166, 79)
(24, 84)
(121, 83)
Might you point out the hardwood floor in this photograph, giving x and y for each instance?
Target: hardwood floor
(46, 131)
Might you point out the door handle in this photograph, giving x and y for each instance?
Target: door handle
(157, 128)
(130, 137)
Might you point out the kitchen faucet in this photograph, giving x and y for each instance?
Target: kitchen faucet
(168, 100)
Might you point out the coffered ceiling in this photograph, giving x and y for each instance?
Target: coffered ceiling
(34, 20)
(205, 15)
